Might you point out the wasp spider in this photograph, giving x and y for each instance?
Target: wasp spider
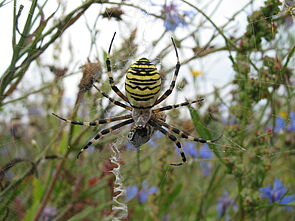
(142, 86)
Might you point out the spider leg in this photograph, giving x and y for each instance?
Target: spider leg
(172, 85)
(185, 135)
(113, 100)
(169, 107)
(104, 132)
(93, 123)
(111, 79)
(174, 139)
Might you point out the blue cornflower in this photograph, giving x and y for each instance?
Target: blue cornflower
(190, 149)
(276, 194)
(158, 135)
(204, 153)
(206, 167)
(152, 142)
(129, 146)
(230, 121)
(279, 124)
(91, 148)
(174, 17)
(131, 192)
(142, 195)
(223, 204)
(291, 126)
(34, 111)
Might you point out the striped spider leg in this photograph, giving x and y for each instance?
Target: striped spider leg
(159, 123)
(174, 106)
(171, 137)
(110, 74)
(98, 122)
(172, 85)
(93, 123)
(103, 133)
(185, 135)
(118, 103)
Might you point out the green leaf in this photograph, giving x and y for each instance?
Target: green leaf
(204, 132)
(37, 197)
(10, 194)
(88, 211)
(37, 190)
(171, 197)
(201, 129)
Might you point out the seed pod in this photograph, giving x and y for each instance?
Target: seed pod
(91, 73)
(114, 12)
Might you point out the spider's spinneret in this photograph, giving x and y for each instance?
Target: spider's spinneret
(143, 84)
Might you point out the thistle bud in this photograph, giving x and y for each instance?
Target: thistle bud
(91, 73)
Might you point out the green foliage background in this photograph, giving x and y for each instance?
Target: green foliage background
(40, 177)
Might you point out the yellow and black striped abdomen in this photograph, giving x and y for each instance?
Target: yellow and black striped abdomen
(143, 84)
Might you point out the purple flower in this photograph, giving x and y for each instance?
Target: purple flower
(91, 148)
(291, 126)
(289, 7)
(129, 146)
(224, 203)
(34, 111)
(158, 135)
(49, 213)
(166, 218)
(206, 167)
(279, 124)
(8, 175)
(152, 143)
(5, 151)
(205, 152)
(131, 192)
(142, 195)
(190, 149)
(277, 194)
(174, 17)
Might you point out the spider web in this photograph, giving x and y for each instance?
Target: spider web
(24, 123)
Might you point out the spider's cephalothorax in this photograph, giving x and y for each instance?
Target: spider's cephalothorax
(142, 85)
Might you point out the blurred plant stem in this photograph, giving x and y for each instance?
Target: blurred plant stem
(60, 165)
(26, 50)
(200, 213)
